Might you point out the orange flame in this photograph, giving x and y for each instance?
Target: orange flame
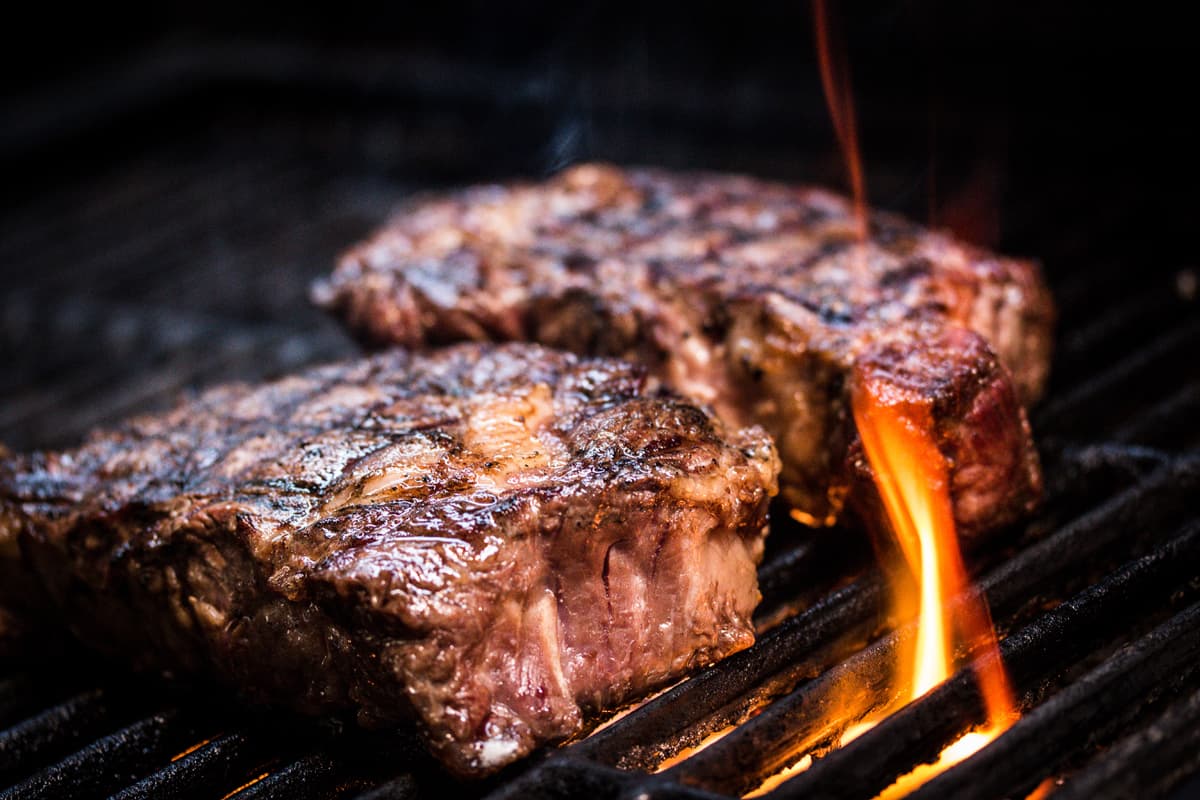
(835, 80)
(913, 480)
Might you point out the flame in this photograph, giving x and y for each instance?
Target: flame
(930, 583)
(914, 483)
(913, 480)
(835, 81)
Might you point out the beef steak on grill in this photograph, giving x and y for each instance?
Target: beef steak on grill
(756, 298)
(498, 540)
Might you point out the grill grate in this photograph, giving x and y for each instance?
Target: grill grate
(187, 262)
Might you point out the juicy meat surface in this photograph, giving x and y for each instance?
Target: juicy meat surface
(497, 540)
(753, 297)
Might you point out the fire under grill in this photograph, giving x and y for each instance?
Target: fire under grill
(185, 261)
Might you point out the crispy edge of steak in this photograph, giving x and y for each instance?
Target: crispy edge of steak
(750, 296)
(497, 541)
(977, 427)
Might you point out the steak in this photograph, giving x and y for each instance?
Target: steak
(498, 541)
(755, 298)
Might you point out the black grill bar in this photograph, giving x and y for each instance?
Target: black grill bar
(404, 787)
(124, 194)
(917, 733)
(312, 776)
(1082, 714)
(1160, 424)
(1122, 328)
(809, 567)
(567, 777)
(1152, 761)
(165, 351)
(53, 732)
(325, 762)
(217, 762)
(109, 762)
(1119, 393)
(166, 223)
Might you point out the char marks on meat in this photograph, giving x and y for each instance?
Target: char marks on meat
(753, 297)
(497, 540)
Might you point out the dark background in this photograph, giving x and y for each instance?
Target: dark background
(176, 174)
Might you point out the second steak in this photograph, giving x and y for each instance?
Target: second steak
(754, 297)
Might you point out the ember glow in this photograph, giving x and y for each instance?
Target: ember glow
(688, 752)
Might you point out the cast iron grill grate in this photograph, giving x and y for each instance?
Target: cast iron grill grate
(187, 262)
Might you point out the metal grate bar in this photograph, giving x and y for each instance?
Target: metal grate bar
(1121, 391)
(317, 775)
(404, 787)
(219, 762)
(28, 745)
(168, 223)
(1082, 714)
(1150, 762)
(149, 254)
(168, 350)
(569, 777)
(109, 762)
(125, 192)
(919, 731)
(1118, 330)
(19, 697)
(1172, 424)
(261, 269)
(812, 565)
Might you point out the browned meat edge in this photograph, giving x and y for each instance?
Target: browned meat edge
(499, 541)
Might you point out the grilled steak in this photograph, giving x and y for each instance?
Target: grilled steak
(498, 540)
(753, 297)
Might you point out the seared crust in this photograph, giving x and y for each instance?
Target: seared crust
(497, 539)
(753, 297)
(977, 420)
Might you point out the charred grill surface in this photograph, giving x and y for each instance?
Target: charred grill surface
(754, 297)
(498, 540)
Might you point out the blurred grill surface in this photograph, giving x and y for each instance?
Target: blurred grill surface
(179, 254)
